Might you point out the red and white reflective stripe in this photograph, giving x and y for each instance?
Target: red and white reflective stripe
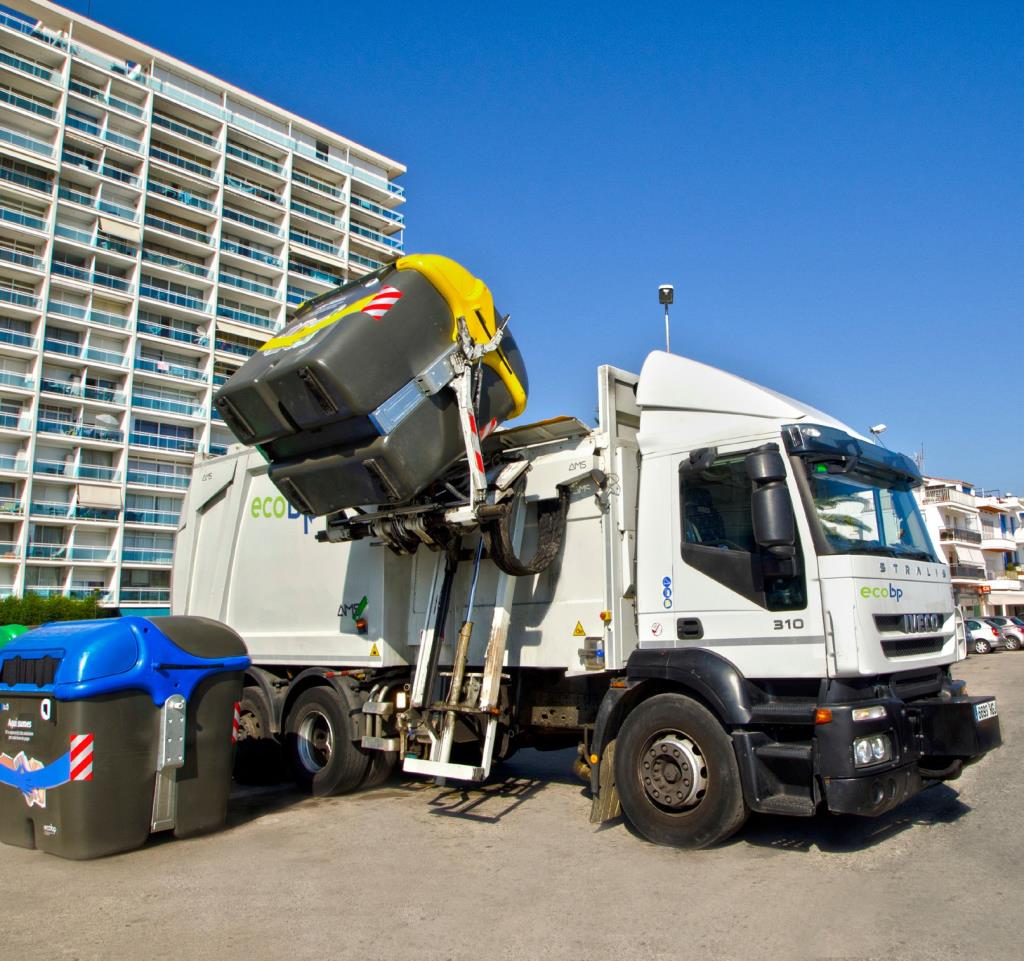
(475, 438)
(81, 757)
(383, 302)
(235, 722)
(489, 429)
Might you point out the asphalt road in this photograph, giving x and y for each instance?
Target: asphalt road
(515, 870)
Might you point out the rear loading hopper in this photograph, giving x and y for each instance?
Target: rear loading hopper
(348, 402)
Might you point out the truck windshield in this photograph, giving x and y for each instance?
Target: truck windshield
(867, 514)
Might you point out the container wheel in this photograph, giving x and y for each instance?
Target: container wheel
(676, 773)
(258, 752)
(318, 744)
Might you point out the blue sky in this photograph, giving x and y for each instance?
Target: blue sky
(834, 189)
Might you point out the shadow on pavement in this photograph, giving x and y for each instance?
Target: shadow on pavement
(846, 833)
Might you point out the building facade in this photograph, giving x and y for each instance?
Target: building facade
(156, 226)
(981, 536)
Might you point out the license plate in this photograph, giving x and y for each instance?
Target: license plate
(985, 710)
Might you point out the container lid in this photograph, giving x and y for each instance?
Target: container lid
(73, 660)
(10, 631)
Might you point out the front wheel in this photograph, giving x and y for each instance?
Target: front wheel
(1012, 643)
(676, 774)
(318, 741)
(981, 646)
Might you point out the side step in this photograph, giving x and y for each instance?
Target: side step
(443, 769)
(791, 804)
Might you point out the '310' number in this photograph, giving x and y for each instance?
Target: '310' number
(789, 624)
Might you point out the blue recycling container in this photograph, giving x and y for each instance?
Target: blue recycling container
(113, 729)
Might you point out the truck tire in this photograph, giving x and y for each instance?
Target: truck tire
(323, 758)
(382, 766)
(676, 774)
(258, 752)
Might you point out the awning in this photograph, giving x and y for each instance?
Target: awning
(241, 330)
(117, 228)
(1006, 597)
(970, 555)
(92, 495)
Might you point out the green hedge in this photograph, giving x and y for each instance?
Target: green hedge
(33, 609)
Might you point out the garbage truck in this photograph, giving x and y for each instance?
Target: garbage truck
(725, 599)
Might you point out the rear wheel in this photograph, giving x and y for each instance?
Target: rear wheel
(676, 773)
(1012, 643)
(322, 756)
(981, 646)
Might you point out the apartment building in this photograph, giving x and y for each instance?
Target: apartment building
(156, 226)
(981, 536)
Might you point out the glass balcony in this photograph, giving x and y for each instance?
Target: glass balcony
(47, 552)
(10, 462)
(196, 270)
(245, 317)
(182, 196)
(315, 213)
(102, 595)
(98, 472)
(145, 595)
(185, 130)
(376, 237)
(122, 140)
(170, 406)
(142, 555)
(296, 295)
(190, 165)
(11, 506)
(93, 94)
(21, 219)
(171, 370)
(324, 188)
(158, 329)
(232, 280)
(60, 468)
(96, 513)
(392, 215)
(218, 450)
(12, 379)
(118, 210)
(187, 232)
(163, 518)
(95, 555)
(31, 67)
(179, 300)
(75, 429)
(232, 348)
(51, 509)
(255, 190)
(86, 200)
(25, 180)
(80, 124)
(158, 478)
(164, 442)
(256, 159)
(15, 421)
(22, 260)
(105, 356)
(307, 241)
(8, 550)
(307, 271)
(365, 261)
(250, 252)
(253, 222)
(26, 142)
(65, 347)
(30, 104)
(10, 295)
(17, 338)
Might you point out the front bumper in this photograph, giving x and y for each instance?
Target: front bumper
(932, 739)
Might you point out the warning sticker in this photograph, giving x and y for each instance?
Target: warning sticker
(578, 630)
(373, 650)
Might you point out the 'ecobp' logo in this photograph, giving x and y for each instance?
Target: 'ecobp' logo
(277, 508)
(892, 591)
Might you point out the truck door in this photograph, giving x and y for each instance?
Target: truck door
(727, 593)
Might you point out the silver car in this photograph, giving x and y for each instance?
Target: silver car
(1013, 634)
(984, 637)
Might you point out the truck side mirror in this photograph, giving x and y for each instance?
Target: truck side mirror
(771, 508)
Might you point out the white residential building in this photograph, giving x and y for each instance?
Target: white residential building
(982, 540)
(156, 226)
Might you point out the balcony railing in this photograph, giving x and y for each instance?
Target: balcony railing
(172, 228)
(8, 550)
(232, 348)
(250, 252)
(948, 495)
(11, 506)
(240, 218)
(17, 338)
(255, 190)
(365, 261)
(296, 295)
(171, 370)
(299, 268)
(256, 159)
(322, 215)
(105, 356)
(392, 215)
(168, 297)
(324, 188)
(376, 237)
(176, 263)
(92, 93)
(12, 379)
(51, 508)
(246, 317)
(296, 236)
(10, 462)
(47, 552)
(145, 595)
(143, 555)
(78, 429)
(172, 333)
(10, 295)
(60, 468)
(183, 162)
(233, 280)
(30, 104)
(182, 196)
(15, 421)
(30, 67)
(26, 143)
(170, 406)
(133, 515)
(967, 571)
(164, 442)
(88, 391)
(25, 180)
(185, 130)
(93, 555)
(960, 534)
(21, 219)
(158, 478)
(22, 260)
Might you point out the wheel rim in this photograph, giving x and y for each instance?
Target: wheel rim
(673, 772)
(249, 727)
(315, 742)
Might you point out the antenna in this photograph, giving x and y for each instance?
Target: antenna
(666, 295)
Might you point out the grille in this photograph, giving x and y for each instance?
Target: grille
(39, 671)
(912, 645)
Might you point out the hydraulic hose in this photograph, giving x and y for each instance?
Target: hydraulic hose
(497, 532)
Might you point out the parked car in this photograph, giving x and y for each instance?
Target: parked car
(1014, 635)
(984, 637)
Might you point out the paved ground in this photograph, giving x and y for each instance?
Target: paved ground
(516, 871)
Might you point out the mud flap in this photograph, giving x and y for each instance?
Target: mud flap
(605, 805)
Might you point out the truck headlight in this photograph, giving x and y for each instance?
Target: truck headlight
(872, 750)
